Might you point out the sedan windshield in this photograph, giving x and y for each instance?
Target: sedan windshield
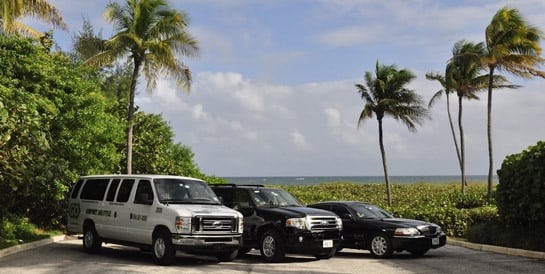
(364, 211)
(178, 191)
(273, 198)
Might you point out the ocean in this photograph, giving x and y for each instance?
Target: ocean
(314, 180)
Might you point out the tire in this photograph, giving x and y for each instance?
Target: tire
(381, 246)
(91, 240)
(272, 247)
(228, 256)
(323, 256)
(418, 252)
(163, 249)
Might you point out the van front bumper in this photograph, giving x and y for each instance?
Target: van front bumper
(206, 243)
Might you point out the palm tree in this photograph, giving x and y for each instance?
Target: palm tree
(512, 45)
(11, 10)
(385, 94)
(153, 36)
(464, 76)
(447, 90)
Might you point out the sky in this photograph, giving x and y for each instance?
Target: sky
(274, 85)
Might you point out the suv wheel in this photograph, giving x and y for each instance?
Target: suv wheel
(163, 250)
(272, 246)
(91, 241)
(380, 245)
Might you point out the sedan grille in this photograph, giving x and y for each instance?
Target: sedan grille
(428, 230)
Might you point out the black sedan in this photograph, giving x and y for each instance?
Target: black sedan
(367, 226)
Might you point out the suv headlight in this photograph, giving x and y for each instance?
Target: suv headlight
(299, 223)
(411, 231)
(183, 224)
(339, 223)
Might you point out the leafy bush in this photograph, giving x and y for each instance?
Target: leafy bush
(528, 236)
(442, 204)
(521, 190)
(14, 230)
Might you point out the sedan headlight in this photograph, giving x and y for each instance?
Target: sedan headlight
(183, 224)
(410, 231)
(299, 223)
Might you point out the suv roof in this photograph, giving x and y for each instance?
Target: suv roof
(148, 176)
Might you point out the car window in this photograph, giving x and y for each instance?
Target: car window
(112, 190)
(94, 189)
(340, 210)
(144, 193)
(125, 190)
(75, 191)
(273, 198)
(241, 198)
(370, 211)
(184, 191)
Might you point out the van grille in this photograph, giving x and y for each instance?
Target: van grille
(319, 223)
(214, 225)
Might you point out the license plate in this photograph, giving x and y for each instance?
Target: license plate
(434, 241)
(327, 244)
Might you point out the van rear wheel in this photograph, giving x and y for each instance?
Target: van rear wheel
(91, 241)
(163, 249)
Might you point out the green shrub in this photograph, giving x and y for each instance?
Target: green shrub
(16, 230)
(528, 236)
(520, 192)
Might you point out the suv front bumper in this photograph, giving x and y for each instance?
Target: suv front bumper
(312, 243)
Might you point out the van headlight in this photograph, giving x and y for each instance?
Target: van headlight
(183, 224)
(240, 225)
(299, 223)
(409, 231)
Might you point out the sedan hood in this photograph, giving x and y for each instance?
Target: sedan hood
(405, 222)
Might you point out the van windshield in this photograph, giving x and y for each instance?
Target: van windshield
(178, 191)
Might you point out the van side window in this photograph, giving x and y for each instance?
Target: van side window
(125, 190)
(112, 190)
(75, 191)
(94, 189)
(144, 193)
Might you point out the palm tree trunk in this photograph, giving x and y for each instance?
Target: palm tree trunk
(462, 149)
(489, 131)
(454, 139)
(130, 115)
(383, 153)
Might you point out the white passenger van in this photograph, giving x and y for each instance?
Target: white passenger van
(158, 213)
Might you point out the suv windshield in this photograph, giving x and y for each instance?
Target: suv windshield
(364, 211)
(177, 191)
(273, 198)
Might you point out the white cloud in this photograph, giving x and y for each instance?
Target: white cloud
(299, 140)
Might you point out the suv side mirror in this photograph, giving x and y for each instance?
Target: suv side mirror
(346, 216)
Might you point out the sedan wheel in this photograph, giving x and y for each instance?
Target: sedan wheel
(381, 246)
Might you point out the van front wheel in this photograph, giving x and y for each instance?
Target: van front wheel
(163, 249)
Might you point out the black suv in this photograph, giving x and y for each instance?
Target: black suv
(276, 223)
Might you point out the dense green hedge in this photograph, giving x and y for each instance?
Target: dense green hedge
(521, 190)
(442, 204)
